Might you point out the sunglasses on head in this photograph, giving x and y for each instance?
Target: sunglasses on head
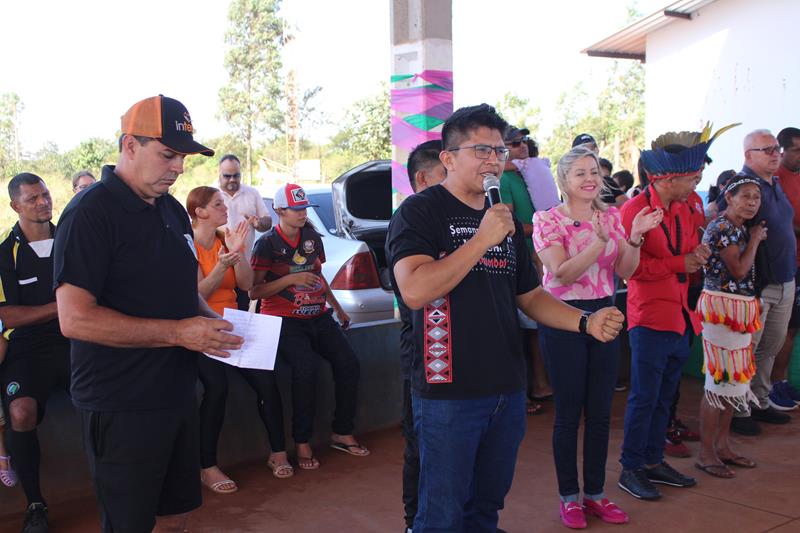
(516, 144)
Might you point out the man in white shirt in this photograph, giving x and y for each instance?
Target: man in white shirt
(242, 201)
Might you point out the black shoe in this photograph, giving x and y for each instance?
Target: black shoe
(635, 483)
(35, 519)
(666, 475)
(746, 426)
(770, 415)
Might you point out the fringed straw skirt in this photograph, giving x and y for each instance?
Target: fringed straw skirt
(729, 321)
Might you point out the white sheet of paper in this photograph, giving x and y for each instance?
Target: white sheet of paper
(261, 335)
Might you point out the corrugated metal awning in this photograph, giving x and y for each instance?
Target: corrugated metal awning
(631, 43)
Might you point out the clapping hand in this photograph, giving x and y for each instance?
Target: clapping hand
(234, 240)
(599, 225)
(695, 259)
(758, 233)
(228, 259)
(644, 221)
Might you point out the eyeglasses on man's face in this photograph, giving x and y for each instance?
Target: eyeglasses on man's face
(769, 150)
(484, 151)
(232, 176)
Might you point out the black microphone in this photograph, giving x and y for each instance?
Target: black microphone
(492, 187)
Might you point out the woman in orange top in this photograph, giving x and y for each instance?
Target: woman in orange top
(222, 267)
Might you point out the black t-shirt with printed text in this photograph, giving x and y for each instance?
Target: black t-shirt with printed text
(466, 343)
(274, 253)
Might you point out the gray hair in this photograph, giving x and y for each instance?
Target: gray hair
(565, 165)
(79, 175)
(750, 137)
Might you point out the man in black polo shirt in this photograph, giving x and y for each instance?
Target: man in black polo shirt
(126, 277)
(38, 355)
(463, 269)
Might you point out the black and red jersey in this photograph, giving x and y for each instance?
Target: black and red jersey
(278, 256)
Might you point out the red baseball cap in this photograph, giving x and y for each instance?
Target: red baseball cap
(291, 196)
(166, 120)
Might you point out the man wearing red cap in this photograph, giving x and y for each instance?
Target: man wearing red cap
(125, 272)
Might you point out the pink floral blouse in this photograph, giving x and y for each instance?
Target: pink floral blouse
(552, 228)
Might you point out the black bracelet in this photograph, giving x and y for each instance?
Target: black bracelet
(583, 323)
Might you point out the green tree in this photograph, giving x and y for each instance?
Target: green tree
(615, 118)
(250, 101)
(49, 161)
(519, 112)
(367, 132)
(10, 110)
(91, 155)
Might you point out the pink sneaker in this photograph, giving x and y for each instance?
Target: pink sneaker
(605, 511)
(572, 515)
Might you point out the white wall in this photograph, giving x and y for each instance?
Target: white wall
(736, 61)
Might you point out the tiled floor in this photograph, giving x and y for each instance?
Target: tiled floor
(363, 494)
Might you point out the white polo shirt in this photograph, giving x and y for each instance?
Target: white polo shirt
(246, 201)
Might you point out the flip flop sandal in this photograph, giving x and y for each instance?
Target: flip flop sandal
(217, 486)
(348, 448)
(8, 477)
(716, 470)
(311, 463)
(740, 461)
(281, 471)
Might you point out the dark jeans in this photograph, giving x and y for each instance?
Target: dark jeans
(467, 450)
(656, 361)
(213, 375)
(302, 343)
(582, 372)
(410, 458)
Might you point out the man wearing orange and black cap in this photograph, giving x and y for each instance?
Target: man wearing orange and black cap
(125, 271)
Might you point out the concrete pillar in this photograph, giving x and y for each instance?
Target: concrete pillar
(422, 79)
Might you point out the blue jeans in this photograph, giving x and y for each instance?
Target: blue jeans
(656, 361)
(467, 451)
(583, 372)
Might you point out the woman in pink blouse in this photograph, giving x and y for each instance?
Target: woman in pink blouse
(582, 245)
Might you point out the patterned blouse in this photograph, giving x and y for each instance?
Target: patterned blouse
(552, 228)
(720, 234)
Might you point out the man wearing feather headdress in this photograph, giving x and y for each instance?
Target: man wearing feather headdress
(660, 320)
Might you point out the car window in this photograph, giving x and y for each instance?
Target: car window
(325, 210)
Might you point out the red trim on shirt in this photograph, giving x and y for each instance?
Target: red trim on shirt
(286, 239)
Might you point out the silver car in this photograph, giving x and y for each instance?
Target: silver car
(353, 218)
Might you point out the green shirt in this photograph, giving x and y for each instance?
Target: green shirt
(514, 191)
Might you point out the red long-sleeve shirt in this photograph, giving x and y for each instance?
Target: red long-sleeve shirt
(656, 297)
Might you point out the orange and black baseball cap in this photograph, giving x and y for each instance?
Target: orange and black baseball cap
(166, 120)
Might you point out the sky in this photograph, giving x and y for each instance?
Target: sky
(78, 65)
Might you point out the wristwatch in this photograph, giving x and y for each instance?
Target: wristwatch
(583, 324)
(637, 244)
